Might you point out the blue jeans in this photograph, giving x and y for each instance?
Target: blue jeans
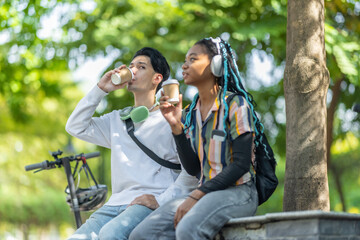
(111, 222)
(204, 220)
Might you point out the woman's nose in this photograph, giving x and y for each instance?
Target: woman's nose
(184, 66)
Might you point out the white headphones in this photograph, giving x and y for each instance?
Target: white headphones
(216, 65)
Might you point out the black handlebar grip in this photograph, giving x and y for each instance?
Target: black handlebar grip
(91, 155)
(43, 165)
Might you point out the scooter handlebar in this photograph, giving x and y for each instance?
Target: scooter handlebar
(42, 165)
(91, 155)
(48, 165)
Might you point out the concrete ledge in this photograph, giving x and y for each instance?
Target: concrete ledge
(307, 225)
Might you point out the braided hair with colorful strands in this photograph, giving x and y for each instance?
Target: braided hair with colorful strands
(229, 81)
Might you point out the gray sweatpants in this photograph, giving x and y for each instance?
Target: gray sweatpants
(205, 218)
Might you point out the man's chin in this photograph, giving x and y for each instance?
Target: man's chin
(133, 89)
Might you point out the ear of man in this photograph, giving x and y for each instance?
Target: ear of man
(157, 78)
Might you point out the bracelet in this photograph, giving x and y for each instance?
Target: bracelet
(194, 198)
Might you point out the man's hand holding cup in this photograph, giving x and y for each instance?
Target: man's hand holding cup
(111, 82)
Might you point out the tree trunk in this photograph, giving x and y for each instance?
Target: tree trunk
(25, 231)
(336, 91)
(306, 82)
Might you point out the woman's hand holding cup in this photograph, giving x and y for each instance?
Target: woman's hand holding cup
(172, 113)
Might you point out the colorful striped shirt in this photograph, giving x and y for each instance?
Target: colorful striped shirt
(215, 155)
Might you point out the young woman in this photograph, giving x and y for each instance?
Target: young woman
(215, 142)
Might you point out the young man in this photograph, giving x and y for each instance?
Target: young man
(139, 184)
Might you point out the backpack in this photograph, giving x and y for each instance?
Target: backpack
(264, 165)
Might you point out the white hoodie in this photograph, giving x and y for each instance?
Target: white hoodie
(133, 173)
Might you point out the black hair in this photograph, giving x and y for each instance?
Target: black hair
(158, 62)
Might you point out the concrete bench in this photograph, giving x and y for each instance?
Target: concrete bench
(304, 225)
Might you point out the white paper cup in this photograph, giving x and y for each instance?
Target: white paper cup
(171, 89)
(125, 75)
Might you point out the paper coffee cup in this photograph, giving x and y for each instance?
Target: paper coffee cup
(125, 75)
(171, 89)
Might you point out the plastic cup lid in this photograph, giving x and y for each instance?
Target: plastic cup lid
(170, 81)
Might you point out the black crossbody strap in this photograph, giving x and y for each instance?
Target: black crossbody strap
(151, 154)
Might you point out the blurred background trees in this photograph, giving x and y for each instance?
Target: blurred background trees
(46, 44)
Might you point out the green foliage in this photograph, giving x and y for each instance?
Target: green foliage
(37, 94)
(342, 33)
(345, 153)
(344, 50)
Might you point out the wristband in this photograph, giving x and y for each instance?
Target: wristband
(194, 198)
